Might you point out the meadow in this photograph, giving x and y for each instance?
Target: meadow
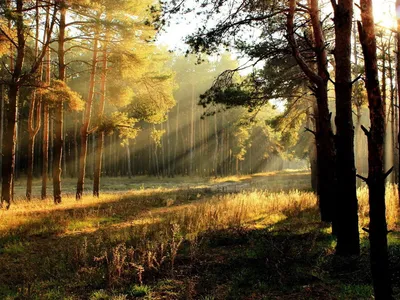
(246, 237)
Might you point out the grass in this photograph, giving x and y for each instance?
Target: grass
(182, 239)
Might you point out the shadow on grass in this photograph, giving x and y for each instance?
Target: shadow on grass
(290, 259)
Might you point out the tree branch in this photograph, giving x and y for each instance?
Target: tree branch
(309, 130)
(366, 131)
(388, 172)
(362, 178)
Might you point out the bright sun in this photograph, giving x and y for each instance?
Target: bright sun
(384, 13)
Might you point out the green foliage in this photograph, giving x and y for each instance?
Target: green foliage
(139, 290)
(99, 295)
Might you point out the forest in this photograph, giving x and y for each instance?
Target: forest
(185, 149)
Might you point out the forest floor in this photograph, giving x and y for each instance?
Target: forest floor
(247, 237)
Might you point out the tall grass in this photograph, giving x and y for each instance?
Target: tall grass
(124, 237)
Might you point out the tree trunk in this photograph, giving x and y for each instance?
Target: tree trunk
(348, 241)
(9, 141)
(100, 134)
(168, 147)
(215, 160)
(376, 177)
(10, 131)
(393, 114)
(312, 152)
(59, 112)
(2, 100)
(398, 85)
(323, 135)
(176, 138)
(128, 160)
(45, 150)
(192, 133)
(34, 110)
(86, 122)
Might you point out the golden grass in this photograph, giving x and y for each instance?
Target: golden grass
(145, 206)
(392, 207)
(153, 222)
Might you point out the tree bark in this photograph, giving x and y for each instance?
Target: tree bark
(192, 131)
(34, 110)
(312, 151)
(100, 134)
(59, 111)
(376, 177)
(348, 241)
(128, 160)
(10, 131)
(2, 101)
(323, 135)
(86, 122)
(398, 86)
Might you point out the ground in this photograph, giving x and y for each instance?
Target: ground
(248, 237)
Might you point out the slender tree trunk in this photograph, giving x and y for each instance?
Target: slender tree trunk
(176, 138)
(162, 141)
(100, 134)
(168, 148)
(86, 122)
(76, 146)
(376, 177)
(128, 160)
(34, 110)
(392, 114)
(2, 99)
(10, 131)
(45, 150)
(58, 140)
(312, 151)
(192, 133)
(215, 160)
(398, 85)
(45, 143)
(348, 241)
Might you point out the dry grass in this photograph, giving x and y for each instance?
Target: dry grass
(129, 234)
(392, 207)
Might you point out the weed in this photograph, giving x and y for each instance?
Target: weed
(223, 244)
(99, 295)
(139, 291)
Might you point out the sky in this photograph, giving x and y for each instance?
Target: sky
(384, 13)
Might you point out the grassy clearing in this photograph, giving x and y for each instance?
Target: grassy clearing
(172, 241)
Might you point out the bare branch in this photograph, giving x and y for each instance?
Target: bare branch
(362, 178)
(309, 130)
(365, 130)
(388, 172)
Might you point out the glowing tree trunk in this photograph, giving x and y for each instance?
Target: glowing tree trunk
(59, 112)
(100, 134)
(34, 110)
(215, 160)
(86, 122)
(393, 115)
(192, 131)
(176, 139)
(376, 177)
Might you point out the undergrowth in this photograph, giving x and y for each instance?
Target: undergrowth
(176, 242)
